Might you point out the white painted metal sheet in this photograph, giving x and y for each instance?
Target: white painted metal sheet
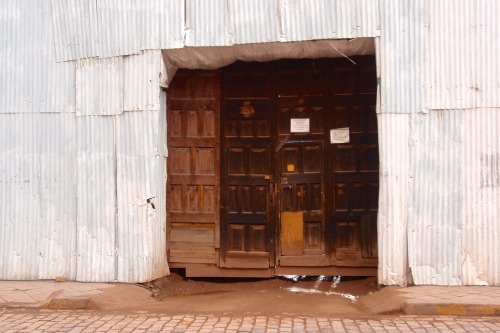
(306, 20)
(86, 28)
(96, 199)
(481, 197)
(435, 214)
(30, 79)
(140, 235)
(114, 28)
(119, 27)
(432, 59)
(207, 23)
(357, 18)
(16, 55)
(19, 196)
(141, 74)
(439, 197)
(151, 15)
(487, 49)
(254, 21)
(450, 51)
(57, 86)
(37, 196)
(172, 23)
(161, 24)
(75, 29)
(99, 86)
(325, 19)
(403, 56)
(56, 250)
(393, 132)
(54, 81)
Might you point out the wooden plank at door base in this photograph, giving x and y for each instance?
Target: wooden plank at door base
(239, 259)
(360, 262)
(305, 260)
(328, 271)
(292, 233)
(193, 270)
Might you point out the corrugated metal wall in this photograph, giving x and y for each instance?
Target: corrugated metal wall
(392, 229)
(261, 27)
(89, 28)
(30, 79)
(96, 198)
(324, 19)
(140, 81)
(481, 196)
(99, 86)
(137, 192)
(104, 29)
(487, 49)
(451, 51)
(436, 65)
(78, 176)
(80, 114)
(37, 196)
(435, 219)
(402, 56)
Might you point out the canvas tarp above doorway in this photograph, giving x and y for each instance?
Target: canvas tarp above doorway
(216, 57)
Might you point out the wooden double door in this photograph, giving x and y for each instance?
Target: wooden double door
(295, 166)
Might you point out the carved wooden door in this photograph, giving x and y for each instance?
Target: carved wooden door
(301, 103)
(354, 165)
(193, 168)
(285, 185)
(247, 166)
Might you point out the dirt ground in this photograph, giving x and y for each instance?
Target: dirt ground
(176, 285)
(176, 294)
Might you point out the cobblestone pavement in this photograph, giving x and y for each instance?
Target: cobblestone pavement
(19, 320)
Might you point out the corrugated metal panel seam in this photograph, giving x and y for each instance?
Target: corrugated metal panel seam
(115, 28)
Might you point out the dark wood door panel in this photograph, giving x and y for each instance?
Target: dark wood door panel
(247, 166)
(301, 94)
(354, 166)
(302, 218)
(322, 209)
(193, 167)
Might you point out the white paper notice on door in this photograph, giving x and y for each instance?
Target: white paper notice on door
(339, 135)
(299, 125)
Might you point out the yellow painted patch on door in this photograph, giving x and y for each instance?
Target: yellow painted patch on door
(290, 167)
(292, 233)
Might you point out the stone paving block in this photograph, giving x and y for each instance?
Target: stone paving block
(6, 287)
(18, 297)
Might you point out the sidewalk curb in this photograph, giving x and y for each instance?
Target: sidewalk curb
(392, 301)
(55, 304)
(454, 309)
(68, 304)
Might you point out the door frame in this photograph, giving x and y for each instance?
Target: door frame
(216, 272)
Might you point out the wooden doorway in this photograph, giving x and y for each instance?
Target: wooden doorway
(292, 201)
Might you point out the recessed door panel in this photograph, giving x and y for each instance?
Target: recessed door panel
(301, 183)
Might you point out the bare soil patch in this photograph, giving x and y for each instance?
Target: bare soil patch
(176, 285)
(285, 294)
(293, 295)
